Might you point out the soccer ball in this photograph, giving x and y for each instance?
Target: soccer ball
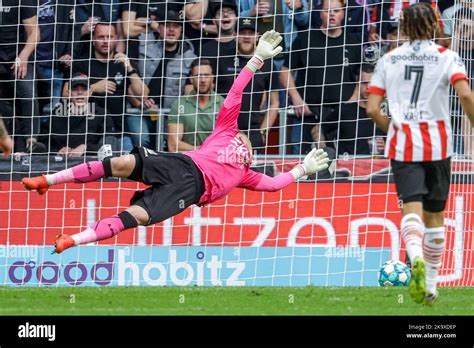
(394, 273)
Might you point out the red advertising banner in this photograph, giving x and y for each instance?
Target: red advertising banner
(305, 214)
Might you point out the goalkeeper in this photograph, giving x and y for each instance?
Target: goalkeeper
(178, 180)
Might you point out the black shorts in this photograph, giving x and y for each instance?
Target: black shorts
(426, 182)
(176, 183)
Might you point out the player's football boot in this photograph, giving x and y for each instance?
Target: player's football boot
(418, 280)
(431, 298)
(63, 242)
(37, 183)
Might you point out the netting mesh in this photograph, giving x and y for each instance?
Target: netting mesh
(80, 80)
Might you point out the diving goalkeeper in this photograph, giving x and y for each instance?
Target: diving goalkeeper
(178, 180)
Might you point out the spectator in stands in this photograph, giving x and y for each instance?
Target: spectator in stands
(352, 131)
(137, 18)
(87, 15)
(18, 39)
(288, 17)
(357, 19)
(395, 38)
(448, 16)
(53, 53)
(199, 27)
(79, 127)
(192, 117)
(326, 62)
(143, 15)
(224, 45)
(463, 44)
(285, 16)
(386, 12)
(463, 38)
(165, 60)
(112, 76)
(260, 102)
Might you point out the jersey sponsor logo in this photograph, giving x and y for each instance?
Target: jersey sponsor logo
(118, 78)
(424, 58)
(149, 152)
(346, 62)
(235, 152)
(46, 10)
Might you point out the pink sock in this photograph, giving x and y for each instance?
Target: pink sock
(102, 229)
(86, 172)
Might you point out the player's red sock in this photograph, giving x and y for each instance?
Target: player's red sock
(434, 244)
(102, 229)
(86, 172)
(412, 234)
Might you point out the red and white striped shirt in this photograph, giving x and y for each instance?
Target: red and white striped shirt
(415, 79)
(395, 7)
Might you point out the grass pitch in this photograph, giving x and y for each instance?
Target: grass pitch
(229, 301)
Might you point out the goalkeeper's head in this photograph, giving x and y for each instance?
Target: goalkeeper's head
(419, 21)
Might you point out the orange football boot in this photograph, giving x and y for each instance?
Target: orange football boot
(37, 183)
(63, 242)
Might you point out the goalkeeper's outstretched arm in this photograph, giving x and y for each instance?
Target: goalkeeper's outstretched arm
(315, 161)
(267, 48)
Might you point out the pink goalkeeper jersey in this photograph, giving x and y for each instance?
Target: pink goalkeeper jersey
(224, 159)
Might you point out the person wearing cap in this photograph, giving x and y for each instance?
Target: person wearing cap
(261, 94)
(285, 16)
(138, 16)
(289, 17)
(164, 61)
(79, 127)
(224, 45)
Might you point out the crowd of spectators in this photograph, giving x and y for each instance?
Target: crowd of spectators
(78, 74)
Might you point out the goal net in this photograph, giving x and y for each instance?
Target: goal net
(145, 87)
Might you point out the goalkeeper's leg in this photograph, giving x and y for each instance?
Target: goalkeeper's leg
(120, 167)
(104, 229)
